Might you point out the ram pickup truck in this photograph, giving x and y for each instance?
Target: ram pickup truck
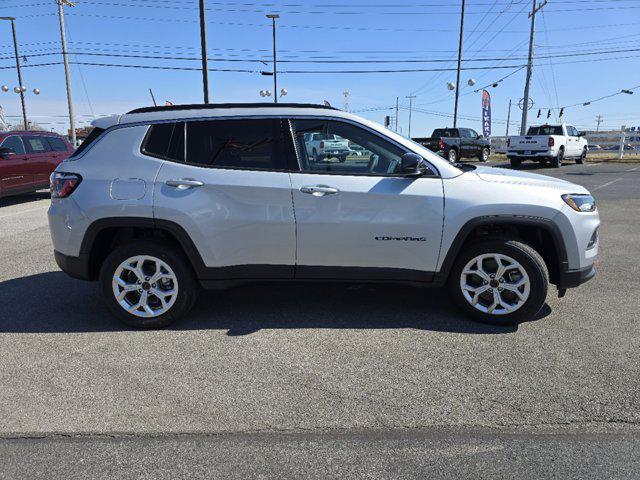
(456, 143)
(322, 147)
(552, 143)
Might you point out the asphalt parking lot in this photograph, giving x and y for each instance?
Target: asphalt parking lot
(271, 381)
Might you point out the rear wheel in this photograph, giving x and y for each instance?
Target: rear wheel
(556, 162)
(453, 155)
(515, 162)
(148, 284)
(499, 281)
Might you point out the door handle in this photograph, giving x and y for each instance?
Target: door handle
(319, 190)
(184, 183)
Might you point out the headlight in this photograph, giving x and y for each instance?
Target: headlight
(580, 202)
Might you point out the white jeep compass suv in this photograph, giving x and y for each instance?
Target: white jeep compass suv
(164, 200)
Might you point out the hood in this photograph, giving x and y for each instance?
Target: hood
(516, 177)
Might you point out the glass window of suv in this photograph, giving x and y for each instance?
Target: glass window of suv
(36, 144)
(93, 135)
(250, 144)
(57, 144)
(157, 140)
(14, 142)
(349, 149)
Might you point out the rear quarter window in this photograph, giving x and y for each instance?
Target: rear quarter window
(93, 135)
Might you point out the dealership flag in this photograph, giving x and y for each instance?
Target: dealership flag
(486, 113)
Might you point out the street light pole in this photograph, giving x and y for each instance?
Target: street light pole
(203, 46)
(63, 39)
(410, 97)
(15, 47)
(455, 108)
(273, 17)
(525, 102)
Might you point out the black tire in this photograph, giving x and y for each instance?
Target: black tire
(484, 155)
(582, 157)
(188, 286)
(515, 162)
(556, 162)
(452, 155)
(528, 258)
(342, 158)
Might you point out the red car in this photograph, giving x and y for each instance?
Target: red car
(28, 158)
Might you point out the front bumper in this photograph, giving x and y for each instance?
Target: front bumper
(575, 278)
(76, 267)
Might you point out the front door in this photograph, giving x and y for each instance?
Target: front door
(230, 191)
(360, 218)
(15, 170)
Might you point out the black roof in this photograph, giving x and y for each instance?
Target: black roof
(202, 106)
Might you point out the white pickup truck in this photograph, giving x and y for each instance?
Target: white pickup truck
(321, 146)
(552, 143)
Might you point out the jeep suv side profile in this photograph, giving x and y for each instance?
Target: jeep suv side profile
(162, 201)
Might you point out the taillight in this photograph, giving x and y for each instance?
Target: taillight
(508, 142)
(63, 184)
(552, 142)
(441, 144)
(322, 144)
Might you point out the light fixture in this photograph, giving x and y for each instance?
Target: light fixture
(451, 86)
(471, 82)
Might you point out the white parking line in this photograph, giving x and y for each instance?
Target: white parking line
(606, 184)
(23, 211)
(633, 169)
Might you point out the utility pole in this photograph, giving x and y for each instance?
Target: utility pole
(525, 103)
(410, 97)
(455, 108)
(396, 115)
(273, 17)
(346, 100)
(508, 118)
(598, 121)
(22, 90)
(65, 58)
(203, 48)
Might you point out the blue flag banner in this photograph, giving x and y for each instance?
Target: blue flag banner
(486, 113)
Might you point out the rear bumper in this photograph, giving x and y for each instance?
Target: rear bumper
(575, 278)
(76, 267)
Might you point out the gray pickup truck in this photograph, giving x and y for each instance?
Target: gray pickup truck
(456, 143)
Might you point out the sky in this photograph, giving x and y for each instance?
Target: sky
(584, 50)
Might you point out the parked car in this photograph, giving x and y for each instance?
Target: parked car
(161, 201)
(28, 158)
(322, 147)
(548, 143)
(456, 143)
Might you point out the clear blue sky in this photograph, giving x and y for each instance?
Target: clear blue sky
(390, 35)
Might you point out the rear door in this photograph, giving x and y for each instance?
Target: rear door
(226, 184)
(40, 158)
(15, 171)
(361, 219)
(59, 151)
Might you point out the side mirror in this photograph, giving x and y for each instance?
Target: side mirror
(5, 152)
(413, 164)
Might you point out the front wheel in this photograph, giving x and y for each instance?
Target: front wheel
(148, 284)
(499, 281)
(582, 158)
(484, 155)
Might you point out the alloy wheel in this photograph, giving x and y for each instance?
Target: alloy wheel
(145, 286)
(494, 283)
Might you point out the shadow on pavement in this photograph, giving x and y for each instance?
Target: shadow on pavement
(52, 302)
(24, 198)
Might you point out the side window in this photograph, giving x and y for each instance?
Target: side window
(92, 137)
(14, 143)
(250, 144)
(36, 144)
(347, 149)
(57, 144)
(157, 140)
(472, 133)
(572, 131)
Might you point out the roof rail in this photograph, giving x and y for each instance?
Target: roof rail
(202, 106)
